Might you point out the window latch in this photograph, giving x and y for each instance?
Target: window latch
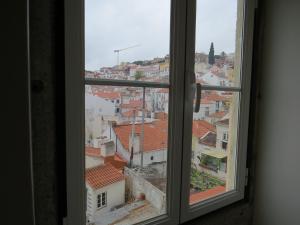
(196, 89)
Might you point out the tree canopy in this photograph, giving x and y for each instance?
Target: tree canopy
(211, 54)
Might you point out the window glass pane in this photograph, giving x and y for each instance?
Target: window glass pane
(214, 138)
(126, 139)
(127, 39)
(218, 42)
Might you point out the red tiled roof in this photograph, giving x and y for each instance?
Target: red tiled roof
(133, 104)
(107, 95)
(129, 113)
(199, 196)
(90, 151)
(116, 161)
(206, 101)
(214, 96)
(220, 114)
(201, 127)
(164, 90)
(103, 175)
(155, 135)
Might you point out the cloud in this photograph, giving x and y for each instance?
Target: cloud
(117, 24)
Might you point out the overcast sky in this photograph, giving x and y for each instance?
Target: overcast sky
(117, 24)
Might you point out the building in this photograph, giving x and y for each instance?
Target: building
(203, 138)
(132, 146)
(210, 154)
(105, 187)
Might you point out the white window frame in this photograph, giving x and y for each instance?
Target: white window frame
(191, 212)
(181, 67)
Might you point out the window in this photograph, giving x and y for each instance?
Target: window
(101, 200)
(165, 64)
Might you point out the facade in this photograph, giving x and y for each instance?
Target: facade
(209, 150)
(128, 142)
(105, 187)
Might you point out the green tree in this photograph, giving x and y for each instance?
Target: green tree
(138, 75)
(223, 55)
(211, 54)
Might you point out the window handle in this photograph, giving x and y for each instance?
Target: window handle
(198, 97)
(196, 89)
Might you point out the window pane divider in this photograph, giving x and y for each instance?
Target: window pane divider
(130, 83)
(220, 88)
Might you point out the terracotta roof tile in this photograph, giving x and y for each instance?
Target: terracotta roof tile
(214, 96)
(116, 161)
(91, 151)
(107, 95)
(133, 104)
(155, 135)
(202, 127)
(103, 175)
(220, 114)
(199, 196)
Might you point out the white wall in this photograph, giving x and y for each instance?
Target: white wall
(137, 185)
(115, 196)
(277, 198)
(91, 161)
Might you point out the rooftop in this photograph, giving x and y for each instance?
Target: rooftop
(201, 128)
(199, 196)
(91, 151)
(107, 95)
(103, 175)
(155, 134)
(133, 104)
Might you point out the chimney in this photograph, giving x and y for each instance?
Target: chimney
(134, 142)
(107, 148)
(96, 143)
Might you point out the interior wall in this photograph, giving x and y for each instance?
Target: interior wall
(47, 74)
(16, 184)
(277, 198)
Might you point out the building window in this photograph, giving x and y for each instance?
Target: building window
(101, 200)
(151, 157)
(225, 136)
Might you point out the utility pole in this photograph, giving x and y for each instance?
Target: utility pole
(142, 130)
(132, 138)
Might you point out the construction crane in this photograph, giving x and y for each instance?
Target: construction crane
(123, 49)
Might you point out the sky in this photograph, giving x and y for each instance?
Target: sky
(118, 24)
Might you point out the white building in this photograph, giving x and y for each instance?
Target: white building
(215, 80)
(105, 187)
(206, 108)
(131, 148)
(209, 149)
(98, 111)
(222, 127)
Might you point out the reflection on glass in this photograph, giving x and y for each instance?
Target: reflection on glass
(214, 145)
(127, 39)
(126, 133)
(218, 39)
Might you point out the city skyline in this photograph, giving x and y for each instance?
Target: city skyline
(123, 34)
